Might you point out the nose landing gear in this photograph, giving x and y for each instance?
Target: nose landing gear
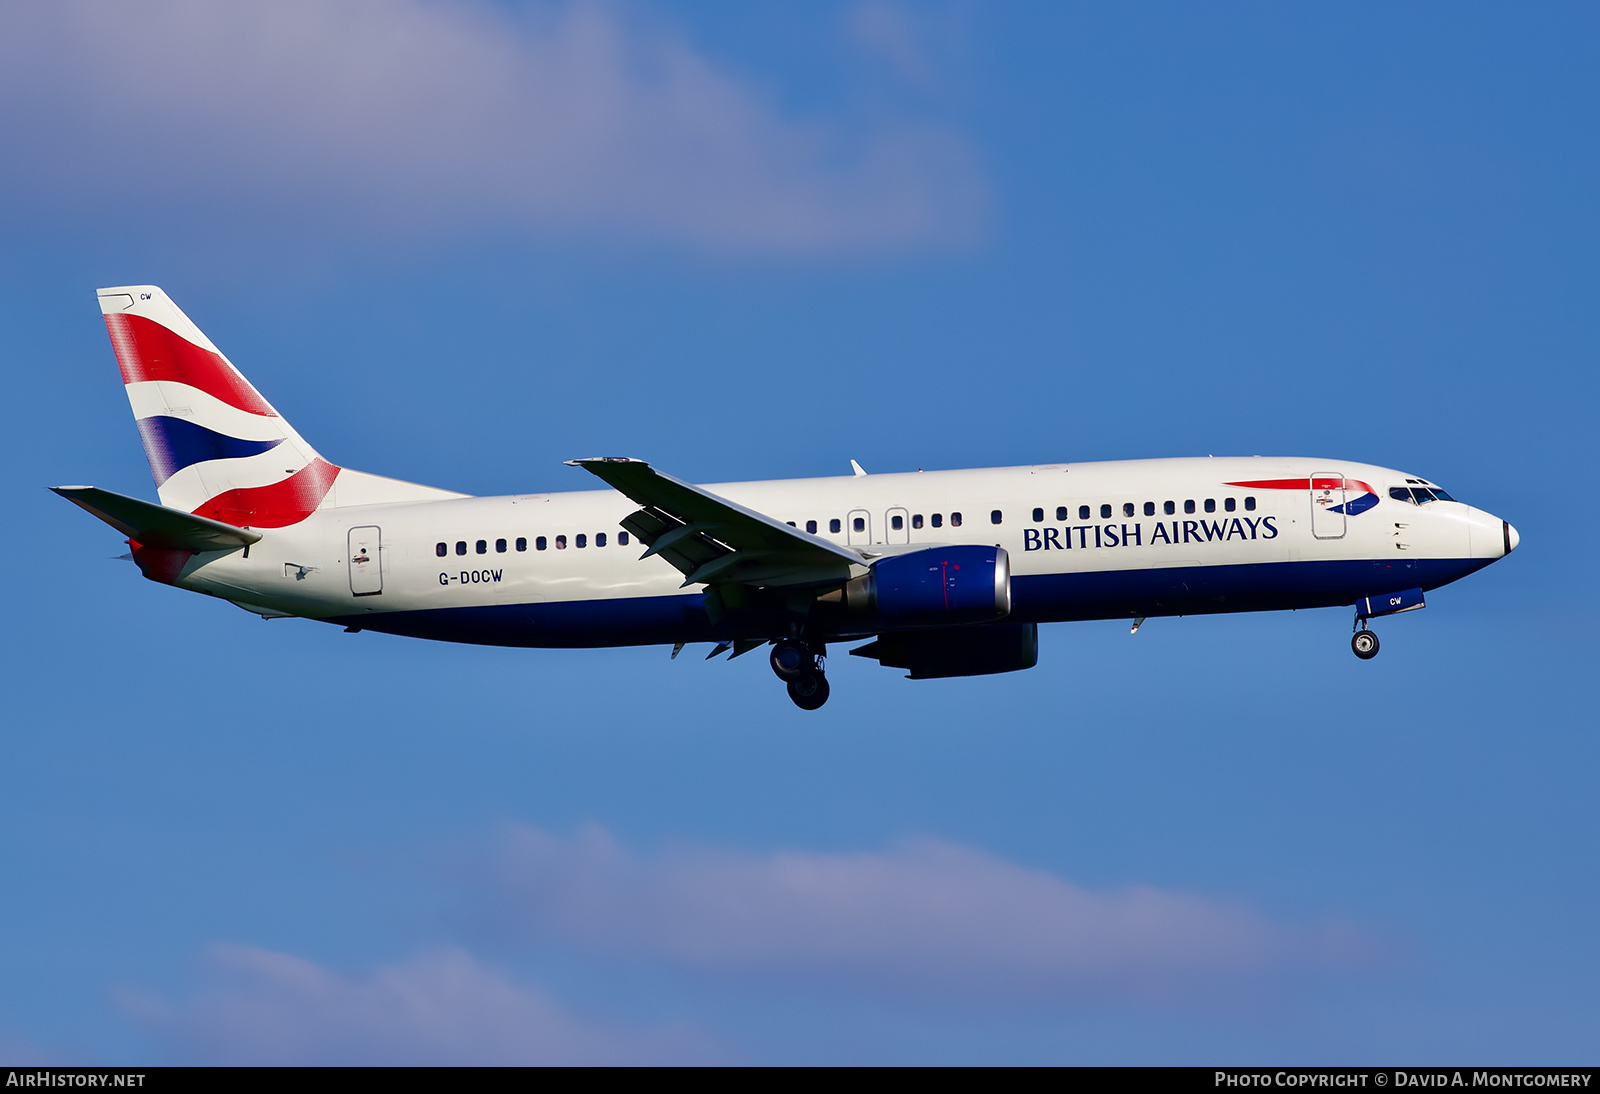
(1365, 644)
(801, 668)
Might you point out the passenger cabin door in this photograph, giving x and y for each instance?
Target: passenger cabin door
(366, 561)
(899, 526)
(1327, 505)
(859, 527)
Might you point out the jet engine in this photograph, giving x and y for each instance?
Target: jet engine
(958, 651)
(961, 584)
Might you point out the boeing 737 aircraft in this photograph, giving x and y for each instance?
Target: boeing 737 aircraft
(945, 573)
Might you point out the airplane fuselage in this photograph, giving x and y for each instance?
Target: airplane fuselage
(949, 573)
(1122, 539)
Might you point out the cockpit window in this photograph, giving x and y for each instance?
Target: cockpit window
(1418, 494)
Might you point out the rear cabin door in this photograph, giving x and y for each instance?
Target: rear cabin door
(859, 527)
(1327, 504)
(898, 524)
(366, 561)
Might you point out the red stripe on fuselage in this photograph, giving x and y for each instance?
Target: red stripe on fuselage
(1275, 484)
(1329, 482)
(277, 506)
(148, 351)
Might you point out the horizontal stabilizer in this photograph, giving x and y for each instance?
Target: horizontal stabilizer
(152, 525)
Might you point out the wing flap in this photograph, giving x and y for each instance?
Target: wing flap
(712, 540)
(152, 525)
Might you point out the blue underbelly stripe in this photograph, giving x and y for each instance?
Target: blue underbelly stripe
(1037, 598)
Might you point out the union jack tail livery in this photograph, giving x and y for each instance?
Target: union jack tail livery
(216, 447)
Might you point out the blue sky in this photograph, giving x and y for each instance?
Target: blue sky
(462, 243)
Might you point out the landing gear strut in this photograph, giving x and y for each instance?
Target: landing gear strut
(1365, 644)
(801, 668)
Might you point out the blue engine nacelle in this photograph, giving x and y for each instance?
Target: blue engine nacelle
(965, 584)
(957, 651)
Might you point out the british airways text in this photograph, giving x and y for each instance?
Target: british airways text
(1142, 535)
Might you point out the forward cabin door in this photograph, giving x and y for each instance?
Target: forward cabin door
(366, 561)
(1327, 504)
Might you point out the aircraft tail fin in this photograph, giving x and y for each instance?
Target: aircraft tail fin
(216, 447)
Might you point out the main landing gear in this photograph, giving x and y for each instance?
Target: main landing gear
(801, 668)
(1364, 643)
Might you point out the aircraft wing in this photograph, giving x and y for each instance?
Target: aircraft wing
(711, 540)
(154, 525)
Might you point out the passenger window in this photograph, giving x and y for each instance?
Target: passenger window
(811, 526)
(622, 539)
(483, 546)
(1063, 513)
(1127, 508)
(440, 549)
(561, 543)
(461, 546)
(955, 520)
(1250, 505)
(581, 540)
(916, 520)
(540, 544)
(499, 546)
(1083, 512)
(1188, 506)
(1038, 515)
(1105, 512)
(1169, 507)
(833, 525)
(791, 524)
(1399, 493)
(994, 516)
(897, 522)
(859, 524)
(938, 520)
(1230, 504)
(599, 539)
(522, 543)
(1149, 508)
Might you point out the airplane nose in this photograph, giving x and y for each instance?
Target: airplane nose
(1488, 536)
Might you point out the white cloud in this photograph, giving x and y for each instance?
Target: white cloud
(892, 33)
(928, 919)
(18, 1051)
(927, 922)
(444, 1008)
(405, 115)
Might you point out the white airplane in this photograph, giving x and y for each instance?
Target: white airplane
(949, 573)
